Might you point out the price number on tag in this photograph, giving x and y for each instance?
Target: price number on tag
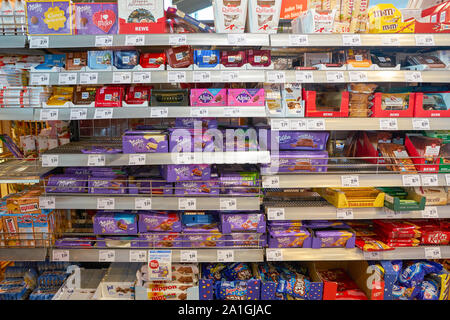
(433, 253)
(39, 79)
(159, 112)
(350, 181)
(279, 124)
(276, 213)
(421, 124)
(229, 76)
(346, 213)
(390, 40)
(96, 160)
(138, 256)
(358, 76)
(388, 124)
(236, 39)
(49, 114)
(188, 256)
(304, 76)
(103, 113)
(430, 180)
(105, 203)
(413, 76)
(271, 182)
(298, 40)
(228, 204)
(199, 112)
(177, 40)
(232, 112)
(274, 255)
(430, 213)
(142, 77)
(176, 76)
(78, 114)
(187, 204)
(299, 124)
(225, 255)
(143, 203)
(276, 77)
(60, 255)
(39, 42)
(103, 41)
(47, 203)
(106, 256)
(423, 40)
(137, 159)
(373, 255)
(411, 180)
(350, 40)
(50, 160)
(88, 78)
(202, 76)
(135, 40)
(335, 76)
(121, 77)
(315, 124)
(67, 78)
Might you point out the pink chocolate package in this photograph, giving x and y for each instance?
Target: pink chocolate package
(246, 97)
(208, 97)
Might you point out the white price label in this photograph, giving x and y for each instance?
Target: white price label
(274, 255)
(106, 255)
(236, 39)
(47, 203)
(279, 124)
(142, 77)
(138, 256)
(159, 112)
(430, 213)
(225, 255)
(78, 114)
(202, 76)
(199, 112)
(135, 40)
(106, 203)
(413, 76)
(264, 157)
(39, 79)
(350, 40)
(350, 181)
(298, 40)
(390, 40)
(103, 113)
(346, 213)
(48, 114)
(358, 76)
(103, 41)
(298, 124)
(423, 40)
(275, 214)
(50, 160)
(228, 204)
(176, 76)
(60, 255)
(411, 180)
(276, 76)
(229, 76)
(388, 124)
(447, 179)
(177, 40)
(271, 182)
(143, 203)
(430, 180)
(88, 78)
(315, 124)
(187, 204)
(96, 160)
(433, 253)
(67, 78)
(121, 77)
(188, 256)
(335, 76)
(373, 255)
(304, 76)
(232, 112)
(421, 124)
(388, 213)
(137, 159)
(184, 158)
(39, 42)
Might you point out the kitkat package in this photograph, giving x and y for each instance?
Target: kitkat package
(142, 16)
(49, 17)
(95, 18)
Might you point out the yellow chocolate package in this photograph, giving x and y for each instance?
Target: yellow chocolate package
(60, 96)
(386, 18)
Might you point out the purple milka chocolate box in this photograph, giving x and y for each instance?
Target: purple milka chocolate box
(333, 239)
(115, 223)
(145, 186)
(239, 183)
(192, 122)
(186, 172)
(197, 187)
(67, 183)
(49, 17)
(237, 222)
(246, 240)
(190, 140)
(322, 224)
(159, 222)
(77, 170)
(145, 141)
(289, 238)
(96, 18)
(301, 140)
(208, 239)
(115, 242)
(159, 240)
(297, 161)
(108, 184)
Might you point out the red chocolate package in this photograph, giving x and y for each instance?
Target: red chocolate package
(233, 59)
(395, 225)
(180, 57)
(109, 97)
(137, 95)
(259, 58)
(402, 242)
(152, 60)
(355, 294)
(398, 234)
(344, 282)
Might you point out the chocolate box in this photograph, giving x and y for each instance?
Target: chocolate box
(333, 239)
(246, 240)
(100, 60)
(289, 238)
(95, 18)
(169, 98)
(302, 140)
(108, 184)
(258, 59)
(239, 183)
(145, 141)
(297, 161)
(233, 59)
(49, 17)
(142, 185)
(237, 222)
(144, 16)
(263, 16)
(206, 59)
(115, 223)
(188, 140)
(246, 97)
(67, 183)
(206, 239)
(191, 122)
(180, 57)
(153, 60)
(159, 222)
(326, 104)
(230, 15)
(208, 97)
(186, 172)
(159, 240)
(197, 187)
(126, 59)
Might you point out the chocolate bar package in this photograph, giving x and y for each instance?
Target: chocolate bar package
(208, 97)
(273, 99)
(263, 15)
(297, 161)
(259, 58)
(168, 98)
(138, 95)
(246, 240)
(126, 59)
(188, 140)
(176, 13)
(246, 97)
(180, 57)
(155, 221)
(152, 60)
(148, 185)
(302, 140)
(206, 58)
(84, 95)
(47, 17)
(397, 155)
(109, 97)
(115, 223)
(108, 184)
(100, 60)
(76, 60)
(239, 183)
(197, 187)
(292, 237)
(205, 239)
(291, 94)
(186, 172)
(333, 239)
(67, 183)
(159, 240)
(230, 15)
(145, 141)
(238, 222)
(233, 59)
(192, 122)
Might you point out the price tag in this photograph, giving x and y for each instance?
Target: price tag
(421, 124)
(276, 76)
(430, 213)
(350, 181)
(279, 124)
(335, 76)
(103, 113)
(143, 203)
(351, 40)
(388, 124)
(296, 40)
(39, 42)
(48, 114)
(88, 78)
(264, 157)
(188, 256)
(346, 213)
(78, 114)
(315, 124)
(106, 256)
(47, 203)
(388, 213)
(177, 39)
(199, 112)
(103, 41)
(358, 76)
(447, 179)
(105, 203)
(390, 40)
(433, 253)
(423, 40)
(228, 204)
(159, 112)
(137, 159)
(67, 78)
(271, 182)
(373, 255)
(176, 76)
(142, 77)
(298, 124)
(229, 76)
(135, 40)
(276, 214)
(138, 256)
(202, 76)
(60, 255)
(50, 160)
(96, 160)
(411, 180)
(274, 255)
(430, 180)
(39, 79)
(225, 255)
(187, 204)
(121, 77)
(236, 39)
(413, 76)
(232, 112)
(304, 76)
(184, 157)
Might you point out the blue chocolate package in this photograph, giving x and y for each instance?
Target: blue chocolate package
(206, 58)
(231, 290)
(403, 293)
(126, 59)
(100, 60)
(414, 274)
(52, 60)
(429, 290)
(238, 271)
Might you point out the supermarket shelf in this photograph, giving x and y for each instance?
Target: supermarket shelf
(123, 255)
(90, 201)
(342, 254)
(21, 171)
(16, 114)
(12, 41)
(23, 254)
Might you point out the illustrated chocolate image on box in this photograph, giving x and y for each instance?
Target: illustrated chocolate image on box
(96, 18)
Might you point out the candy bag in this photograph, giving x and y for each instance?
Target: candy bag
(371, 244)
(414, 274)
(429, 290)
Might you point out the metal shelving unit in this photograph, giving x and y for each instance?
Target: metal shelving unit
(23, 254)
(7, 42)
(17, 114)
(22, 171)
